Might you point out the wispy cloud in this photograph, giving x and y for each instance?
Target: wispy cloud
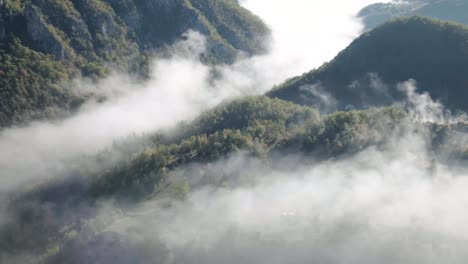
(179, 88)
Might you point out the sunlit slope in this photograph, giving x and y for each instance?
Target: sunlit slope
(45, 43)
(432, 52)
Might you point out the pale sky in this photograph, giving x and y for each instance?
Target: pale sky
(308, 33)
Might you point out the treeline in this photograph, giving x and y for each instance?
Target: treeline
(260, 126)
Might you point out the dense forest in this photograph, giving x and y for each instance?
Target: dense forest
(57, 220)
(221, 187)
(432, 52)
(45, 44)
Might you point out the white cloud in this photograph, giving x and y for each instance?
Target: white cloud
(305, 33)
(390, 205)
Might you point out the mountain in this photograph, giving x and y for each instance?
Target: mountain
(45, 43)
(115, 206)
(56, 222)
(259, 127)
(376, 14)
(366, 73)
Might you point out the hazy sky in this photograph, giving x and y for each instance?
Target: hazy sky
(307, 33)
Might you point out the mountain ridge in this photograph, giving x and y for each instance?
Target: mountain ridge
(368, 71)
(46, 43)
(378, 13)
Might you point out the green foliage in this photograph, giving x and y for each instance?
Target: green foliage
(14, 6)
(244, 114)
(93, 69)
(140, 176)
(58, 221)
(245, 124)
(450, 141)
(432, 52)
(234, 24)
(180, 190)
(257, 126)
(348, 132)
(89, 37)
(108, 32)
(30, 84)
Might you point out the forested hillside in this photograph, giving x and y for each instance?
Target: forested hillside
(57, 222)
(335, 166)
(432, 52)
(453, 10)
(45, 43)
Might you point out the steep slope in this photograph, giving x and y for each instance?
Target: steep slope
(376, 14)
(44, 43)
(115, 31)
(432, 52)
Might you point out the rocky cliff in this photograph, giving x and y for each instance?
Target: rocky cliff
(66, 38)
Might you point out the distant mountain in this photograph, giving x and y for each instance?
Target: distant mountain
(46, 42)
(376, 14)
(432, 52)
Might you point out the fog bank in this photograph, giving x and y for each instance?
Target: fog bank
(394, 204)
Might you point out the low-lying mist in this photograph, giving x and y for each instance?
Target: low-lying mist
(396, 202)
(390, 204)
(179, 88)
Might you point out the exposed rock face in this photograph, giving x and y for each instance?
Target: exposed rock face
(68, 22)
(41, 33)
(161, 22)
(134, 12)
(103, 24)
(116, 31)
(89, 37)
